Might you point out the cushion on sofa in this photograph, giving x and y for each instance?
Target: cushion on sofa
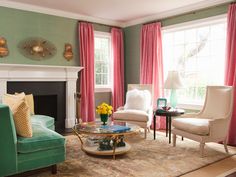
(45, 121)
(21, 113)
(43, 139)
(30, 101)
(192, 125)
(11, 99)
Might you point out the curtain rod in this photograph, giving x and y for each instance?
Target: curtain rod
(186, 13)
(111, 26)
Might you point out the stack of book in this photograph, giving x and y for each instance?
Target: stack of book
(115, 128)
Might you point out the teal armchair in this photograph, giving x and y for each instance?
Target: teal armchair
(17, 154)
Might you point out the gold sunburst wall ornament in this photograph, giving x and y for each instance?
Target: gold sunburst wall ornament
(68, 54)
(37, 48)
(3, 47)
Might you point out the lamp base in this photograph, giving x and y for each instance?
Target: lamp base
(173, 98)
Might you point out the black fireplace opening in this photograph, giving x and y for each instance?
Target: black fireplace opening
(49, 99)
(46, 105)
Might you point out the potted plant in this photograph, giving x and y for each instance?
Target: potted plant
(104, 110)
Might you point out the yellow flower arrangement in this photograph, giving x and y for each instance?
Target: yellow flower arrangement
(104, 108)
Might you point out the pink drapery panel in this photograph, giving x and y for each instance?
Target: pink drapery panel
(151, 64)
(230, 70)
(118, 67)
(86, 49)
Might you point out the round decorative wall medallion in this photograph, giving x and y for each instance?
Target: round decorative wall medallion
(37, 48)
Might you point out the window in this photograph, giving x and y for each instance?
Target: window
(197, 51)
(103, 64)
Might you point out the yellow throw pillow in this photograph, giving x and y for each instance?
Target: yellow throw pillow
(11, 100)
(30, 101)
(21, 114)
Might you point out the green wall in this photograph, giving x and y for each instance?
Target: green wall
(17, 25)
(132, 38)
(200, 14)
(132, 54)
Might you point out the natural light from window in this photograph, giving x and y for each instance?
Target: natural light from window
(103, 64)
(197, 51)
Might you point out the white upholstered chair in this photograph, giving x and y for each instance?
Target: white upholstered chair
(212, 122)
(138, 107)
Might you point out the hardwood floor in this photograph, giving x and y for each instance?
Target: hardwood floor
(215, 169)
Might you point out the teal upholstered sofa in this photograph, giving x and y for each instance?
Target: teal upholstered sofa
(17, 154)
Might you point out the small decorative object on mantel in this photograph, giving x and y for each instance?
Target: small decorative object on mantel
(37, 48)
(68, 54)
(105, 111)
(3, 47)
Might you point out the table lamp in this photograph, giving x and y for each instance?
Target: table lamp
(173, 82)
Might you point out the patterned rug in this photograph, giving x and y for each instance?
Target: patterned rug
(149, 158)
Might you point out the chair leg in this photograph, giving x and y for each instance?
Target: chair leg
(54, 169)
(145, 133)
(202, 144)
(226, 148)
(174, 140)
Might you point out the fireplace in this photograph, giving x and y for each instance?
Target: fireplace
(48, 105)
(38, 74)
(49, 99)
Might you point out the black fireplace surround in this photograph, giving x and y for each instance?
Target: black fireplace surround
(49, 99)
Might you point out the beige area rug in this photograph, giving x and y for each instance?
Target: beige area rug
(149, 158)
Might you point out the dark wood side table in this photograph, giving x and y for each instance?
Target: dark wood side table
(168, 114)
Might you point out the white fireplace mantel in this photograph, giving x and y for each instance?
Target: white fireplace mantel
(20, 72)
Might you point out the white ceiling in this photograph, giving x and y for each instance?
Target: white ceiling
(112, 12)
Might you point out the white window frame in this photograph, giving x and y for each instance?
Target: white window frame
(194, 24)
(105, 88)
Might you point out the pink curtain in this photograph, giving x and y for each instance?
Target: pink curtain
(86, 49)
(230, 70)
(118, 67)
(151, 64)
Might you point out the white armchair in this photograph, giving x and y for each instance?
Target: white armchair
(211, 123)
(138, 107)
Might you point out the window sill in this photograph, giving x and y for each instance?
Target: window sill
(100, 90)
(190, 106)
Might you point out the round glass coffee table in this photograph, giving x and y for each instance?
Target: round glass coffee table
(98, 139)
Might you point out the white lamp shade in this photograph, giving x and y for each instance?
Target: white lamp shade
(173, 80)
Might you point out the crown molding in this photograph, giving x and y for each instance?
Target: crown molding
(60, 13)
(196, 23)
(55, 12)
(177, 11)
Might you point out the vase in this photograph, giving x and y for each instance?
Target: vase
(104, 118)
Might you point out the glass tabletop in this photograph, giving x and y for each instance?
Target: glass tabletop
(119, 128)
